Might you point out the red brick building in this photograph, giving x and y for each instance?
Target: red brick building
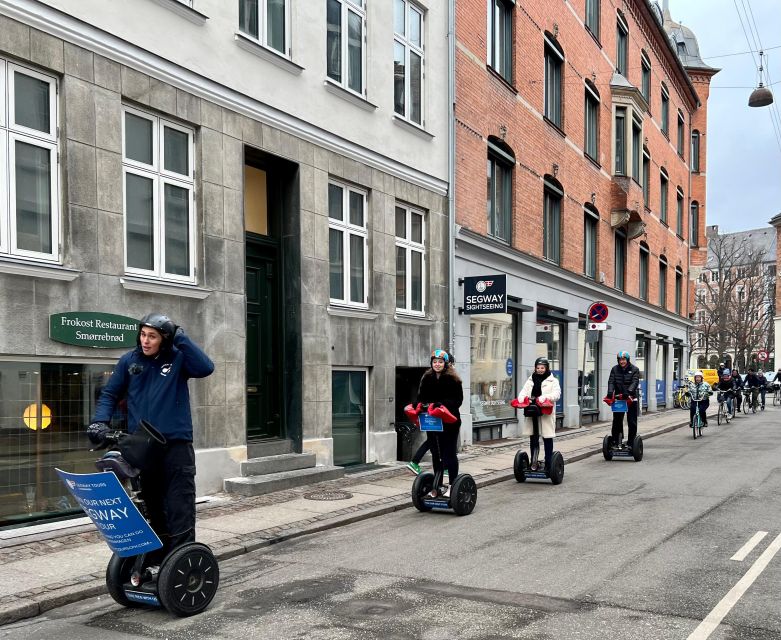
(578, 118)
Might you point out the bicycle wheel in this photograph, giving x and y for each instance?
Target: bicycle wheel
(777, 397)
(694, 429)
(719, 413)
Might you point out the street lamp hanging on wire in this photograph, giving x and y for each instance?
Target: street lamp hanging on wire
(761, 96)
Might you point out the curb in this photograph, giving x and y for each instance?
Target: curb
(61, 594)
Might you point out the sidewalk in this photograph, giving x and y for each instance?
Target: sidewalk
(69, 564)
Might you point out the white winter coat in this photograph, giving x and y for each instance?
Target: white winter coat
(551, 390)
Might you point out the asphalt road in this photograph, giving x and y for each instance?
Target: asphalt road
(620, 550)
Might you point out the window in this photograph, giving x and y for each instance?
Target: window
(267, 22)
(591, 118)
(345, 52)
(157, 163)
(645, 76)
(695, 151)
(663, 183)
(644, 271)
(679, 211)
(665, 110)
(646, 177)
(637, 146)
(29, 200)
(681, 125)
(694, 224)
(347, 240)
(620, 260)
(500, 194)
(622, 48)
(491, 386)
(410, 259)
(408, 61)
(500, 37)
(592, 17)
(551, 220)
(620, 134)
(678, 290)
(663, 282)
(590, 231)
(554, 62)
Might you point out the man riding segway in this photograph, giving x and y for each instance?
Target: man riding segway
(622, 385)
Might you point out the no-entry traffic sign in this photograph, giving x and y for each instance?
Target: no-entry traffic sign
(762, 355)
(598, 312)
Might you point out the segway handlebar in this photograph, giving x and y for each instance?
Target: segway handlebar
(436, 409)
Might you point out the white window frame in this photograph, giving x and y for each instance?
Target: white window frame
(10, 133)
(359, 8)
(409, 47)
(409, 247)
(262, 38)
(160, 177)
(347, 229)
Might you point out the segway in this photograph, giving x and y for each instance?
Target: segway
(621, 449)
(523, 468)
(185, 580)
(427, 489)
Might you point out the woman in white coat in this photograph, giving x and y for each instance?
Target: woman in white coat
(542, 385)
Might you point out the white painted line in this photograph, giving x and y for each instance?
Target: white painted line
(707, 626)
(747, 548)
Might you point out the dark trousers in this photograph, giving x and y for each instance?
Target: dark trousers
(704, 404)
(534, 446)
(618, 424)
(444, 451)
(738, 399)
(422, 450)
(169, 493)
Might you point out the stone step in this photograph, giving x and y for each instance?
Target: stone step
(270, 482)
(277, 464)
(262, 448)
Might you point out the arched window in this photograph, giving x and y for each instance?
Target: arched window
(695, 151)
(694, 224)
(591, 122)
(554, 65)
(501, 162)
(553, 197)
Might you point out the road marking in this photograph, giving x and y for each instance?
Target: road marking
(707, 626)
(747, 548)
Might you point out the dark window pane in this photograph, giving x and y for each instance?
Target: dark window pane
(355, 51)
(416, 283)
(356, 209)
(177, 230)
(415, 87)
(401, 222)
(416, 231)
(140, 219)
(399, 17)
(356, 269)
(31, 102)
(33, 198)
(399, 78)
(248, 17)
(177, 149)
(335, 202)
(275, 28)
(334, 39)
(401, 278)
(138, 139)
(336, 261)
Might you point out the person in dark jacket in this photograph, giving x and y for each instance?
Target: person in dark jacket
(622, 384)
(753, 386)
(153, 380)
(763, 385)
(442, 385)
(737, 380)
(726, 387)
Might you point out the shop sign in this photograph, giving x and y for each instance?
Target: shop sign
(508, 367)
(93, 329)
(485, 294)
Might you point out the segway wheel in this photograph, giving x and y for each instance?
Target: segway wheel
(188, 579)
(117, 574)
(463, 494)
(637, 449)
(557, 468)
(521, 466)
(422, 486)
(606, 451)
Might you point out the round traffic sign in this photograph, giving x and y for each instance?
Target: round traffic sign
(598, 312)
(762, 355)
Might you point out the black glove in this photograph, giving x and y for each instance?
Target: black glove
(436, 405)
(96, 432)
(179, 331)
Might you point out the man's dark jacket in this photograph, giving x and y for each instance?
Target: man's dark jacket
(623, 380)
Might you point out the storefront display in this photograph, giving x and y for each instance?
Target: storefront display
(588, 375)
(549, 345)
(492, 367)
(661, 374)
(641, 349)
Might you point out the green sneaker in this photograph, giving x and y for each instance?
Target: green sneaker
(414, 467)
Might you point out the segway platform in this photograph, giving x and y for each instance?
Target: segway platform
(622, 450)
(462, 500)
(523, 471)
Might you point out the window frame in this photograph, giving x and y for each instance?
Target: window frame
(360, 11)
(410, 48)
(507, 38)
(662, 282)
(590, 244)
(646, 177)
(346, 228)
(619, 138)
(51, 135)
(410, 247)
(681, 133)
(694, 159)
(552, 52)
(643, 272)
(551, 193)
(591, 108)
(287, 51)
(161, 177)
(678, 290)
(665, 108)
(595, 11)
(645, 76)
(637, 147)
(694, 224)
(664, 195)
(501, 158)
(619, 247)
(622, 44)
(679, 200)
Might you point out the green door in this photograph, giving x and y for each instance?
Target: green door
(348, 420)
(264, 342)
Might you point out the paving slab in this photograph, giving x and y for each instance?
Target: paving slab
(376, 489)
(256, 519)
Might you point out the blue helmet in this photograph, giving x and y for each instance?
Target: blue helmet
(441, 353)
(623, 354)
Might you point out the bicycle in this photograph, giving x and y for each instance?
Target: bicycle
(776, 395)
(681, 398)
(696, 423)
(754, 398)
(724, 412)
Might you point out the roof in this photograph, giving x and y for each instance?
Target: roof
(685, 43)
(763, 239)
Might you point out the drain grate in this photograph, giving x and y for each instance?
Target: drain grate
(328, 494)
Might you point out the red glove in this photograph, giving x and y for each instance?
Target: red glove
(608, 400)
(442, 412)
(546, 406)
(412, 413)
(522, 404)
(514, 403)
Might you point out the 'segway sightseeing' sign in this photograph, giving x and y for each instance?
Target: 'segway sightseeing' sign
(92, 329)
(485, 294)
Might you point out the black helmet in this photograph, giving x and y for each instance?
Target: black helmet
(159, 322)
(543, 361)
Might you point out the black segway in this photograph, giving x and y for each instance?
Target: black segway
(427, 488)
(622, 449)
(185, 580)
(525, 469)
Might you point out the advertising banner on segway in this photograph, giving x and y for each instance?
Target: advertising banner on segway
(485, 294)
(107, 504)
(429, 423)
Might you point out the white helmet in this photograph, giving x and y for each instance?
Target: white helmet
(699, 373)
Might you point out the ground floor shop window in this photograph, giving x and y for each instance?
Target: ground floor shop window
(348, 419)
(661, 374)
(550, 346)
(641, 351)
(492, 367)
(588, 367)
(44, 409)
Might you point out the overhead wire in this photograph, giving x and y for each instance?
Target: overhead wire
(774, 106)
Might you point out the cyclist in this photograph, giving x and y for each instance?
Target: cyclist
(726, 388)
(763, 385)
(622, 384)
(737, 379)
(699, 391)
(753, 384)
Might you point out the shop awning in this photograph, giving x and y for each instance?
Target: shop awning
(552, 314)
(515, 304)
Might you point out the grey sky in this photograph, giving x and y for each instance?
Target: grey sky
(744, 158)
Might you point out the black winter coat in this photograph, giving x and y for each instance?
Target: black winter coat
(624, 380)
(446, 389)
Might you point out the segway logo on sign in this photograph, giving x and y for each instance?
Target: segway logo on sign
(485, 294)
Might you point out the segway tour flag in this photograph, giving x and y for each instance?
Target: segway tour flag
(117, 519)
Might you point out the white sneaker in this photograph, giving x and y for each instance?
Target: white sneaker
(447, 492)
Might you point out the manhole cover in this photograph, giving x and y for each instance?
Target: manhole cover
(328, 495)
